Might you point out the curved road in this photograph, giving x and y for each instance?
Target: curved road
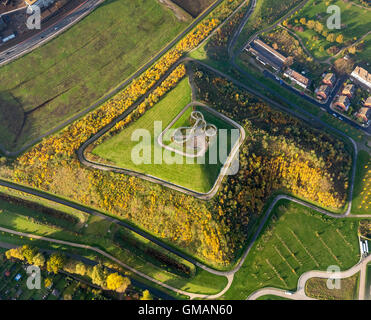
(300, 292)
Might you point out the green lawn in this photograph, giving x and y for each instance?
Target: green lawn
(317, 288)
(118, 149)
(354, 19)
(71, 72)
(361, 193)
(295, 240)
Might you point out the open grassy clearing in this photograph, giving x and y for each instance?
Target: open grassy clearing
(355, 23)
(317, 288)
(101, 233)
(101, 51)
(362, 193)
(295, 240)
(118, 149)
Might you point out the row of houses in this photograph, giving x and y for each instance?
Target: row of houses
(328, 82)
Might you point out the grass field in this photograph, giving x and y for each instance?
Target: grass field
(354, 20)
(295, 240)
(68, 74)
(118, 149)
(362, 194)
(317, 288)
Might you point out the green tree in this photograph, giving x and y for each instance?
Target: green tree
(99, 275)
(38, 260)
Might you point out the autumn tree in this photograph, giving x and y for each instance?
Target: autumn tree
(146, 295)
(38, 260)
(340, 38)
(55, 262)
(117, 282)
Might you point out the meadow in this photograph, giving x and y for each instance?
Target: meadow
(53, 83)
(317, 288)
(118, 149)
(354, 24)
(295, 239)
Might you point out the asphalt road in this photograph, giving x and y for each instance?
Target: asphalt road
(52, 31)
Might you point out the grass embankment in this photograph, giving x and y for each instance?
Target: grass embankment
(196, 176)
(295, 240)
(317, 288)
(361, 193)
(100, 233)
(101, 51)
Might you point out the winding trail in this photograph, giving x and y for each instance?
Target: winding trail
(300, 291)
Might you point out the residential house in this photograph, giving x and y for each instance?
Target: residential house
(348, 90)
(267, 55)
(367, 103)
(297, 78)
(343, 103)
(329, 79)
(362, 77)
(364, 114)
(323, 92)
